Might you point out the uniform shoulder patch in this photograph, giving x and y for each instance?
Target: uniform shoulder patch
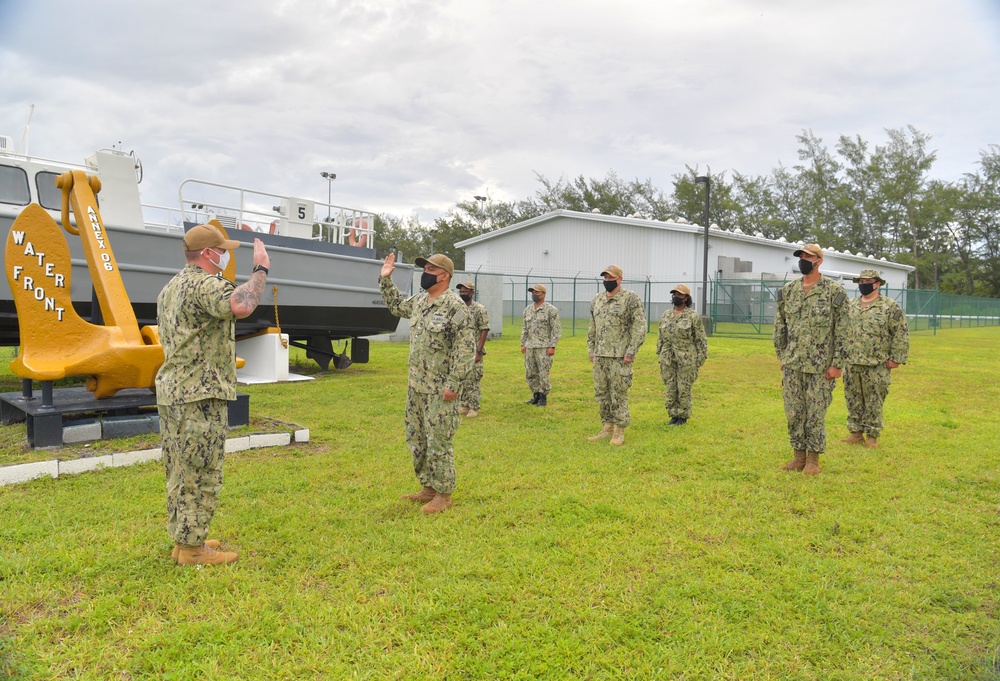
(840, 298)
(459, 317)
(781, 294)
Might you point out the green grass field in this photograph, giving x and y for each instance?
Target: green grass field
(685, 554)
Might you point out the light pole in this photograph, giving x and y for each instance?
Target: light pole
(703, 179)
(482, 209)
(330, 177)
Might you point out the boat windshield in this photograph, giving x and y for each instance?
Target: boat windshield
(14, 189)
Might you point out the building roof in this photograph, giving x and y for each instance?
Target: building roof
(715, 233)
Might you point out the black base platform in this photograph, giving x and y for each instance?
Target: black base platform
(45, 412)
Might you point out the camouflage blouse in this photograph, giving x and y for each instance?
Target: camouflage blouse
(877, 333)
(542, 327)
(810, 328)
(442, 340)
(682, 338)
(197, 331)
(617, 324)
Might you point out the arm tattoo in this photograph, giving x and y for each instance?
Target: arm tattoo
(246, 296)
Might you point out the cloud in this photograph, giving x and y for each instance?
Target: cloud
(418, 105)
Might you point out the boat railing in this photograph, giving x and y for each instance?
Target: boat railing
(163, 218)
(26, 158)
(255, 211)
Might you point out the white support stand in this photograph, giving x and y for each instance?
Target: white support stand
(266, 359)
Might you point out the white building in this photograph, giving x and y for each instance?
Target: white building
(570, 244)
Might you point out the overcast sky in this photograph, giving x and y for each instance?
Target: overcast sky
(417, 105)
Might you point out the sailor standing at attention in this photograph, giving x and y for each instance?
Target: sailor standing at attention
(878, 341)
(810, 326)
(617, 329)
(468, 400)
(682, 348)
(539, 336)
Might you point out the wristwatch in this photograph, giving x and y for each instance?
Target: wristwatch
(260, 268)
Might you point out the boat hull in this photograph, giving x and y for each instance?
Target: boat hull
(323, 290)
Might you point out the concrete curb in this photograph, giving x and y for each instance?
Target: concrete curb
(23, 472)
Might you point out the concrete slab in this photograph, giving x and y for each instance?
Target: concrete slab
(126, 426)
(301, 435)
(237, 444)
(270, 440)
(90, 463)
(132, 458)
(83, 430)
(23, 472)
(249, 379)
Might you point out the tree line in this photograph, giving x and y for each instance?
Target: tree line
(877, 199)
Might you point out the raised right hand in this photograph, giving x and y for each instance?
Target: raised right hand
(389, 265)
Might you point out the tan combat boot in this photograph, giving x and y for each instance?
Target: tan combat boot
(440, 502)
(618, 435)
(871, 442)
(797, 463)
(472, 413)
(463, 410)
(210, 543)
(606, 429)
(423, 496)
(812, 464)
(202, 555)
(855, 438)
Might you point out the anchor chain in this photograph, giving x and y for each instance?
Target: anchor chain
(277, 322)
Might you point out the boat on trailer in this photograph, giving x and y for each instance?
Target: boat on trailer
(323, 282)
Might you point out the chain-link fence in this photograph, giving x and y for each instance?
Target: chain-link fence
(737, 307)
(572, 297)
(934, 310)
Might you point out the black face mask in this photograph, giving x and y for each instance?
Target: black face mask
(866, 289)
(427, 280)
(466, 297)
(536, 298)
(805, 266)
(678, 301)
(610, 285)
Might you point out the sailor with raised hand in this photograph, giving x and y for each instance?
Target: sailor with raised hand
(442, 348)
(196, 312)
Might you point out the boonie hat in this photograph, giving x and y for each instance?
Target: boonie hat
(207, 236)
(467, 285)
(614, 270)
(439, 259)
(869, 274)
(811, 249)
(537, 288)
(682, 289)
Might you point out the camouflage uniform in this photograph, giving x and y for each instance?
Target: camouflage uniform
(442, 350)
(876, 334)
(809, 334)
(682, 348)
(541, 331)
(470, 388)
(617, 328)
(193, 389)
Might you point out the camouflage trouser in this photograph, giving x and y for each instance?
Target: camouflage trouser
(678, 379)
(865, 389)
(807, 397)
(469, 396)
(430, 426)
(193, 437)
(537, 364)
(612, 379)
